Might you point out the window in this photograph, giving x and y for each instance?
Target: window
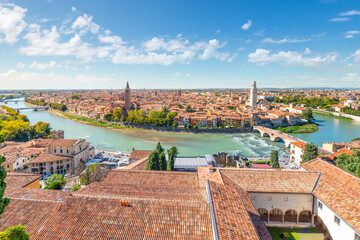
(8, 166)
(357, 236)
(286, 199)
(337, 220)
(320, 205)
(54, 150)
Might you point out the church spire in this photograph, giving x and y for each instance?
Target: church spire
(127, 85)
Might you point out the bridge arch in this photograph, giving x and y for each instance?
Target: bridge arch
(265, 134)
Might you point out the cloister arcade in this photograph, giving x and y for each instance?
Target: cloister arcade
(289, 216)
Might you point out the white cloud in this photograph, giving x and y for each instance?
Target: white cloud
(341, 19)
(241, 48)
(11, 21)
(211, 50)
(285, 40)
(351, 77)
(350, 34)
(187, 75)
(84, 23)
(108, 47)
(20, 65)
(43, 66)
(218, 31)
(350, 13)
(31, 80)
(87, 67)
(73, 9)
(247, 25)
(291, 58)
(356, 56)
(177, 75)
(259, 33)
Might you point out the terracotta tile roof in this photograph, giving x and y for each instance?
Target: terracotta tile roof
(341, 151)
(173, 193)
(107, 218)
(139, 177)
(203, 175)
(299, 144)
(63, 142)
(139, 154)
(339, 190)
(45, 157)
(232, 218)
(268, 180)
(138, 165)
(256, 219)
(19, 180)
(30, 208)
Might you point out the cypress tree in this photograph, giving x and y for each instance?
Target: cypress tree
(173, 152)
(162, 162)
(274, 159)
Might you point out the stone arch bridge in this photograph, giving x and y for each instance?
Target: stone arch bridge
(277, 136)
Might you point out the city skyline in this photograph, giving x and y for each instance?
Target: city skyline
(71, 45)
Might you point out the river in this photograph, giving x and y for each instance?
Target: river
(191, 144)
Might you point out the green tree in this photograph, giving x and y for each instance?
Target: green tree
(16, 130)
(40, 130)
(76, 187)
(15, 233)
(308, 115)
(274, 159)
(188, 109)
(108, 116)
(172, 152)
(118, 115)
(310, 152)
(159, 148)
(153, 161)
(162, 162)
(3, 200)
(74, 96)
(56, 182)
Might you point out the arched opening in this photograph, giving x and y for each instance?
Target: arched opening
(291, 216)
(279, 139)
(305, 216)
(276, 215)
(264, 213)
(266, 135)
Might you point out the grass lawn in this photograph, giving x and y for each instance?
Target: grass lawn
(295, 233)
(307, 128)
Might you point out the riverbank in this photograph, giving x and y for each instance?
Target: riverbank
(122, 126)
(337, 115)
(306, 128)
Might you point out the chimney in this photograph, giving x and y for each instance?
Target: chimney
(133, 149)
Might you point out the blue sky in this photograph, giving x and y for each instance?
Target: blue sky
(179, 44)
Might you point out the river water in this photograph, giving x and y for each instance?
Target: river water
(190, 144)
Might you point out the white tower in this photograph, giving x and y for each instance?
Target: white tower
(253, 95)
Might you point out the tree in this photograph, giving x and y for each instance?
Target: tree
(310, 152)
(308, 115)
(3, 201)
(153, 161)
(188, 109)
(15, 233)
(16, 130)
(74, 96)
(56, 182)
(76, 187)
(172, 152)
(162, 162)
(118, 114)
(159, 148)
(274, 159)
(40, 130)
(108, 116)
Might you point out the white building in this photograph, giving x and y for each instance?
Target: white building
(337, 200)
(296, 152)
